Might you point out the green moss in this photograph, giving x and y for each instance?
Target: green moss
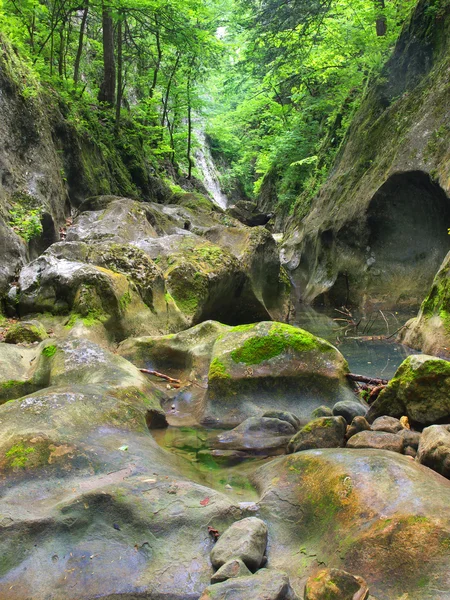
(125, 301)
(49, 351)
(25, 333)
(316, 423)
(281, 338)
(217, 370)
(94, 317)
(18, 455)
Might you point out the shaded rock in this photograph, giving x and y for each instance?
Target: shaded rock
(245, 539)
(247, 213)
(284, 416)
(18, 368)
(26, 332)
(376, 439)
(230, 570)
(266, 584)
(349, 410)
(420, 390)
(378, 513)
(434, 449)
(266, 365)
(410, 438)
(387, 424)
(322, 411)
(325, 432)
(335, 584)
(358, 424)
(258, 434)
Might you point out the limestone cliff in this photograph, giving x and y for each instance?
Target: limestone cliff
(377, 231)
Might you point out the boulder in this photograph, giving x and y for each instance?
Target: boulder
(335, 584)
(284, 416)
(349, 410)
(410, 438)
(322, 411)
(245, 539)
(358, 424)
(258, 434)
(325, 432)
(272, 365)
(379, 440)
(387, 424)
(247, 213)
(266, 584)
(26, 332)
(434, 449)
(420, 390)
(230, 570)
(379, 513)
(18, 376)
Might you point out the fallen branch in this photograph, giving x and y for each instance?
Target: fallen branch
(161, 376)
(375, 393)
(369, 380)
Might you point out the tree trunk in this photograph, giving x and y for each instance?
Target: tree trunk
(189, 146)
(108, 86)
(119, 71)
(158, 60)
(169, 85)
(76, 69)
(381, 23)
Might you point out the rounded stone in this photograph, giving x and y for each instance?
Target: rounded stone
(245, 539)
(349, 410)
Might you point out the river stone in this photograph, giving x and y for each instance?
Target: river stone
(434, 449)
(349, 410)
(358, 424)
(420, 390)
(410, 438)
(230, 570)
(379, 440)
(266, 584)
(335, 584)
(268, 366)
(379, 513)
(26, 331)
(256, 434)
(284, 416)
(322, 411)
(325, 432)
(387, 424)
(245, 539)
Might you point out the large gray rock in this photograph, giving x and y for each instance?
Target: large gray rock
(245, 539)
(434, 449)
(376, 439)
(266, 584)
(325, 432)
(230, 570)
(258, 434)
(420, 390)
(335, 584)
(349, 410)
(387, 424)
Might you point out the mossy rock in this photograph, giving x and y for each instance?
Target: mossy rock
(26, 332)
(272, 366)
(420, 390)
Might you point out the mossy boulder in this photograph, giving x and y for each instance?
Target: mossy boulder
(377, 514)
(335, 584)
(430, 330)
(266, 584)
(269, 365)
(26, 332)
(420, 390)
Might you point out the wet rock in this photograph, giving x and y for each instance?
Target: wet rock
(420, 390)
(271, 365)
(284, 416)
(358, 424)
(385, 516)
(322, 411)
(257, 434)
(379, 440)
(230, 570)
(387, 424)
(434, 449)
(266, 584)
(325, 432)
(335, 584)
(18, 372)
(245, 539)
(26, 332)
(349, 410)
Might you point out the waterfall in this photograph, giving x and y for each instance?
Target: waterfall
(206, 166)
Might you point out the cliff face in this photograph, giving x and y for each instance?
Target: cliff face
(48, 166)
(377, 231)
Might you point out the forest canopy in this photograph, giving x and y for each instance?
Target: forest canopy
(272, 82)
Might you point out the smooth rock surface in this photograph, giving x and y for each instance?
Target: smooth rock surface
(376, 439)
(349, 410)
(230, 570)
(387, 424)
(266, 584)
(434, 449)
(245, 539)
(335, 584)
(325, 432)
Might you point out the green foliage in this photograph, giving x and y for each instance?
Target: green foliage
(18, 455)
(25, 217)
(49, 351)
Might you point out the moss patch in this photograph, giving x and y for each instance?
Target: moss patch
(18, 455)
(217, 370)
(281, 338)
